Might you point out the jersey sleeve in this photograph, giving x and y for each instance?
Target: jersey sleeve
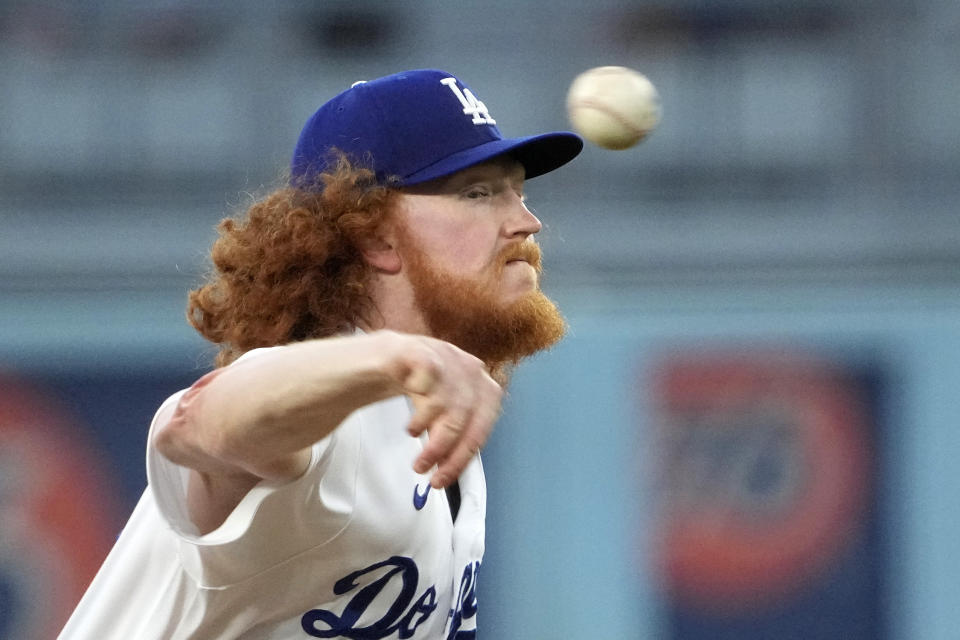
(274, 522)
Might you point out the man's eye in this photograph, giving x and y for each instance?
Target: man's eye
(477, 193)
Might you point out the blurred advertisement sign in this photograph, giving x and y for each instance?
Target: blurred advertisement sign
(58, 516)
(767, 486)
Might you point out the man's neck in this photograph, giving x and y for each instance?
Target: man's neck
(394, 307)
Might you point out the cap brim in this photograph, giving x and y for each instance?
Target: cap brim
(538, 154)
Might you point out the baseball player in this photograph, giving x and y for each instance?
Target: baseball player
(324, 481)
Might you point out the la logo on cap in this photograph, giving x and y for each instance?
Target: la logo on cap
(471, 106)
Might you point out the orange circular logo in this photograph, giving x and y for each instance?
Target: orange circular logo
(763, 475)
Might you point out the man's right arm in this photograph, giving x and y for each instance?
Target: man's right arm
(258, 419)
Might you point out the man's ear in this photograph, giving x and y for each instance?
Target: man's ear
(381, 254)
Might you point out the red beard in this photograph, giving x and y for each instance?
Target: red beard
(468, 313)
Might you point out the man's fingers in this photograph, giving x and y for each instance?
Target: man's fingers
(424, 414)
(455, 463)
(466, 447)
(444, 434)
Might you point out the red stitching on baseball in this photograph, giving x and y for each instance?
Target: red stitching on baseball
(599, 106)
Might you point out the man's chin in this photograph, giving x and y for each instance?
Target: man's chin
(517, 295)
(503, 334)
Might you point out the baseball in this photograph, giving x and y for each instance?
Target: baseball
(613, 107)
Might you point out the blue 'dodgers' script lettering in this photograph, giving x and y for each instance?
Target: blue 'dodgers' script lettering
(403, 615)
(466, 605)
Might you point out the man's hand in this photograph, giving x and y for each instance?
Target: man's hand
(455, 400)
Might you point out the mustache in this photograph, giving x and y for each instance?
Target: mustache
(527, 251)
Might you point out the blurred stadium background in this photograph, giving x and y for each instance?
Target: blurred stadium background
(751, 431)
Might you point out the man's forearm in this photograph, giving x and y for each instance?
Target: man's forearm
(261, 416)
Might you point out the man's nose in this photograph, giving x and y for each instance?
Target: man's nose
(521, 222)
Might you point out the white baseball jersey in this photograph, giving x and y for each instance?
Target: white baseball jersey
(358, 547)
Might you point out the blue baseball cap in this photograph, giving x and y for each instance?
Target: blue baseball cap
(416, 126)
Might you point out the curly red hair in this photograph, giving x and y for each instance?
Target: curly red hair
(291, 267)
